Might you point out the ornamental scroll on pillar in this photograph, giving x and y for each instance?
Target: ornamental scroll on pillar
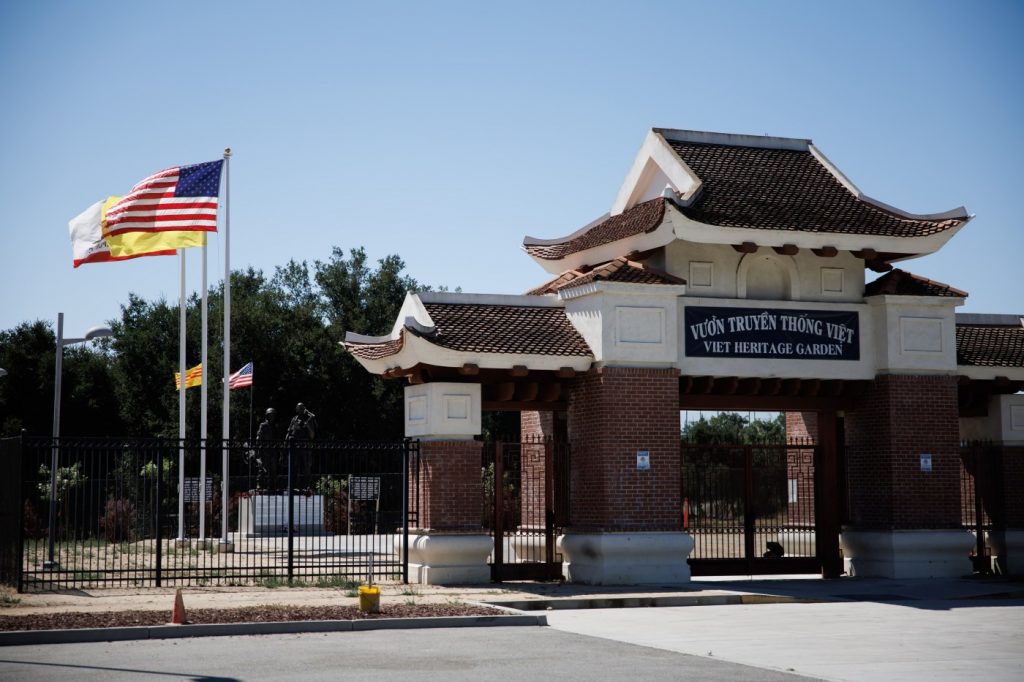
(448, 544)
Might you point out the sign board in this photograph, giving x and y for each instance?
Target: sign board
(643, 460)
(363, 487)
(786, 334)
(926, 463)
(190, 493)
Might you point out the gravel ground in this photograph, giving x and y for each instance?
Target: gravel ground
(250, 614)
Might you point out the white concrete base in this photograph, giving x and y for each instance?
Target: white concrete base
(626, 558)
(1008, 544)
(907, 553)
(437, 559)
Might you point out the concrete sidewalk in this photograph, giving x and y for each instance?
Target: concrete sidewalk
(529, 596)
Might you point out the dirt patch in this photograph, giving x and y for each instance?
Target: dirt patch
(250, 614)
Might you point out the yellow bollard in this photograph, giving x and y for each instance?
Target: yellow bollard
(369, 599)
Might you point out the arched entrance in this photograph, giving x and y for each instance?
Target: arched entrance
(757, 507)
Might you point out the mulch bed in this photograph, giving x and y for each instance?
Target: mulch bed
(248, 614)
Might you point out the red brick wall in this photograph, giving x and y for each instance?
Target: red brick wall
(613, 413)
(899, 418)
(450, 487)
(801, 428)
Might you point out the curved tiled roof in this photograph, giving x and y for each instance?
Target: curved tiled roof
(903, 283)
(513, 329)
(990, 345)
(376, 351)
(618, 270)
(786, 189)
(644, 217)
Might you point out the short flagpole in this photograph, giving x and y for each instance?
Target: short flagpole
(181, 401)
(225, 543)
(202, 407)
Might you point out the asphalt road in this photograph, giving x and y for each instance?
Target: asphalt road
(506, 653)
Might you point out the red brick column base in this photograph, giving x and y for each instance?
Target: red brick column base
(450, 545)
(905, 521)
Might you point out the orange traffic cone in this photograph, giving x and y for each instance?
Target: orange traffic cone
(178, 614)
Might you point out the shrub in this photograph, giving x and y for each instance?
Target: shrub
(116, 522)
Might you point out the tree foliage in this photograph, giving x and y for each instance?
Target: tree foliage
(289, 324)
(733, 428)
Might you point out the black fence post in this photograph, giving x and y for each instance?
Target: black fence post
(158, 535)
(405, 511)
(291, 512)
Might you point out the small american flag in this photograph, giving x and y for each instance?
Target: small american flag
(241, 378)
(183, 198)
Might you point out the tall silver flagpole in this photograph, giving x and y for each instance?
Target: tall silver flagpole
(181, 402)
(202, 409)
(225, 543)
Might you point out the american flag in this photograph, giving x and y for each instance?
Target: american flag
(183, 198)
(241, 378)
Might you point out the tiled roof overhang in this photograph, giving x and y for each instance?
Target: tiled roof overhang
(903, 283)
(479, 331)
(789, 190)
(620, 270)
(734, 189)
(990, 345)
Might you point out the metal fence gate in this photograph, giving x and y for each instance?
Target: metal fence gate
(148, 512)
(526, 503)
(751, 509)
(983, 501)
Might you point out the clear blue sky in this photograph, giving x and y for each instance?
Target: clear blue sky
(445, 132)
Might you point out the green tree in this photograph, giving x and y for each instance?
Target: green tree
(733, 428)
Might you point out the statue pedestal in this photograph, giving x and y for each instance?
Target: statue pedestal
(267, 515)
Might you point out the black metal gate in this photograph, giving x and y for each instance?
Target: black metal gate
(150, 512)
(750, 509)
(983, 502)
(525, 505)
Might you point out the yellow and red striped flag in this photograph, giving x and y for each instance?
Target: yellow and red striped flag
(193, 377)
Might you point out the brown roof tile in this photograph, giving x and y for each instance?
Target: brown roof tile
(782, 189)
(644, 217)
(376, 351)
(505, 329)
(903, 283)
(990, 345)
(618, 270)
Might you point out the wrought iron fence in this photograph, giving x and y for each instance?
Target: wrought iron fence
(748, 506)
(526, 503)
(982, 499)
(136, 512)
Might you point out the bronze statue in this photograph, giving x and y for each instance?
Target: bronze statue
(303, 424)
(269, 456)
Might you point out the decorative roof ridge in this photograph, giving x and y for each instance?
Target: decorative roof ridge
(890, 283)
(798, 144)
(643, 218)
(374, 347)
(513, 300)
(989, 320)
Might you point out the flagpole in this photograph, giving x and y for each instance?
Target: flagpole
(225, 543)
(202, 408)
(181, 401)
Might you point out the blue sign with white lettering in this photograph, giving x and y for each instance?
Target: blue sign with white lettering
(771, 333)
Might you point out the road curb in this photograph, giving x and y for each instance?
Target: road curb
(649, 602)
(81, 635)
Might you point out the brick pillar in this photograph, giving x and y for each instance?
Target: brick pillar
(450, 545)
(625, 524)
(801, 429)
(905, 522)
(450, 488)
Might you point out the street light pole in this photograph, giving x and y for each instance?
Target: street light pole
(93, 333)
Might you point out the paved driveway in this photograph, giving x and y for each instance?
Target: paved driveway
(863, 641)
